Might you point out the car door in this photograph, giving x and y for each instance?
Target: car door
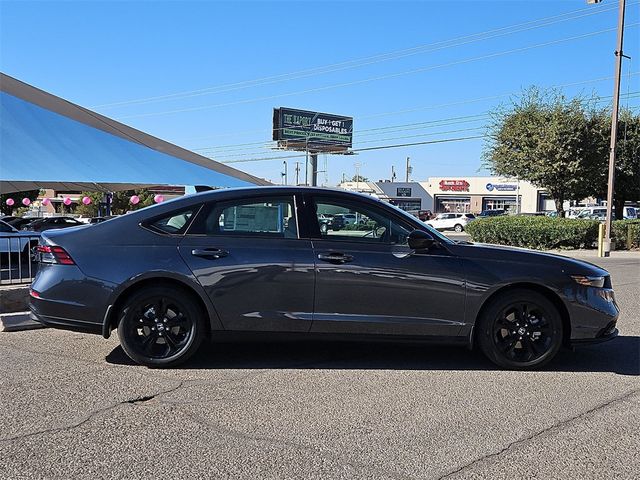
(369, 281)
(255, 268)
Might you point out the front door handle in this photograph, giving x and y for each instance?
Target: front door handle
(335, 257)
(213, 253)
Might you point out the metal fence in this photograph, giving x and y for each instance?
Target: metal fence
(17, 258)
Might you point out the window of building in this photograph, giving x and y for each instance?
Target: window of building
(508, 204)
(453, 204)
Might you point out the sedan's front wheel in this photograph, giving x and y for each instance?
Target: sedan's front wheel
(161, 326)
(520, 329)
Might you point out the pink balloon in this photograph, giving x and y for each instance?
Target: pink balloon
(135, 199)
(26, 202)
(158, 199)
(46, 201)
(10, 202)
(86, 200)
(67, 201)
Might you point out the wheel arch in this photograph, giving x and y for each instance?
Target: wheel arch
(552, 296)
(111, 316)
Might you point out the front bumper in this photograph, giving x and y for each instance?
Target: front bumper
(609, 334)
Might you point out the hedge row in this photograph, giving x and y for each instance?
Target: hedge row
(544, 233)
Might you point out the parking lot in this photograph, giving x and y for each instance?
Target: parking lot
(74, 406)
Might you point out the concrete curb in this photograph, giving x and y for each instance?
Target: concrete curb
(16, 322)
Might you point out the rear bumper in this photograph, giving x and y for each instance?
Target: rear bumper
(66, 323)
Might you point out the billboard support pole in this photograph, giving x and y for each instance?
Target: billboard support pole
(313, 180)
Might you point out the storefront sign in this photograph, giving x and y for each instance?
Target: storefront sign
(502, 187)
(454, 185)
(403, 192)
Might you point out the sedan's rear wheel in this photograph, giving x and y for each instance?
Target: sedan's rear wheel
(160, 326)
(520, 329)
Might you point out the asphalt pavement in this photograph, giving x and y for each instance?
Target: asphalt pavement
(73, 406)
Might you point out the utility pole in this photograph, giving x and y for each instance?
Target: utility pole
(357, 166)
(313, 169)
(285, 180)
(344, 177)
(393, 173)
(297, 173)
(606, 247)
(409, 169)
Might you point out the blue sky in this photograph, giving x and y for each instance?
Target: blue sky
(99, 53)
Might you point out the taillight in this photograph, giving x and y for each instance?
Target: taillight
(54, 254)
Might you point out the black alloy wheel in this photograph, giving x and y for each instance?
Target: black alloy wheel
(521, 329)
(161, 327)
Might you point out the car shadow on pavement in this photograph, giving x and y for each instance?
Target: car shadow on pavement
(620, 355)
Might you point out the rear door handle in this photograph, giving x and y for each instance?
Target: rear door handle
(335, 257)
(213, 253)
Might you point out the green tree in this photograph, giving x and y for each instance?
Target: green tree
(90, 210)
(17, 198)
(120, 202)
(627, 173)
(550, 141)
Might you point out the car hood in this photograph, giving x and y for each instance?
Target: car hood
(502, 253)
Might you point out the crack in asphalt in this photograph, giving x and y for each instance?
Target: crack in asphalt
(541, 433)
(343, 461)
(91, 415)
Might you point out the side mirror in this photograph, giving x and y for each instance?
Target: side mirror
(420, 240)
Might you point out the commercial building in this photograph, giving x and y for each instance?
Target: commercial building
(460, 194)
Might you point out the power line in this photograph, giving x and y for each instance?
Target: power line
(384, 57)
(377, 78)
(399, 112)
(221, 153)
(381, 147)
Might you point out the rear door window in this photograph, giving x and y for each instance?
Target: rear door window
(260, 217)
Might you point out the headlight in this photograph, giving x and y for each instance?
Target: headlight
(588, 281)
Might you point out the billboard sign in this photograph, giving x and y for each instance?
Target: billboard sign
(403, 192)
(311, 130)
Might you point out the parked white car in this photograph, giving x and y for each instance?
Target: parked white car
(629, 213)
(451, 221)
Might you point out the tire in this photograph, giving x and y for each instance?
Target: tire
(458, 228)
(164, 340)
(520, 330)
(324, 228)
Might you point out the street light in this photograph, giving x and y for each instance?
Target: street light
(606, 247)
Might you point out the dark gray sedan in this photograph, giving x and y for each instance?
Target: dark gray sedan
(230, 263)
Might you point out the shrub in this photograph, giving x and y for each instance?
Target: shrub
(545, 233)
(620, 233)
(535, 232)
